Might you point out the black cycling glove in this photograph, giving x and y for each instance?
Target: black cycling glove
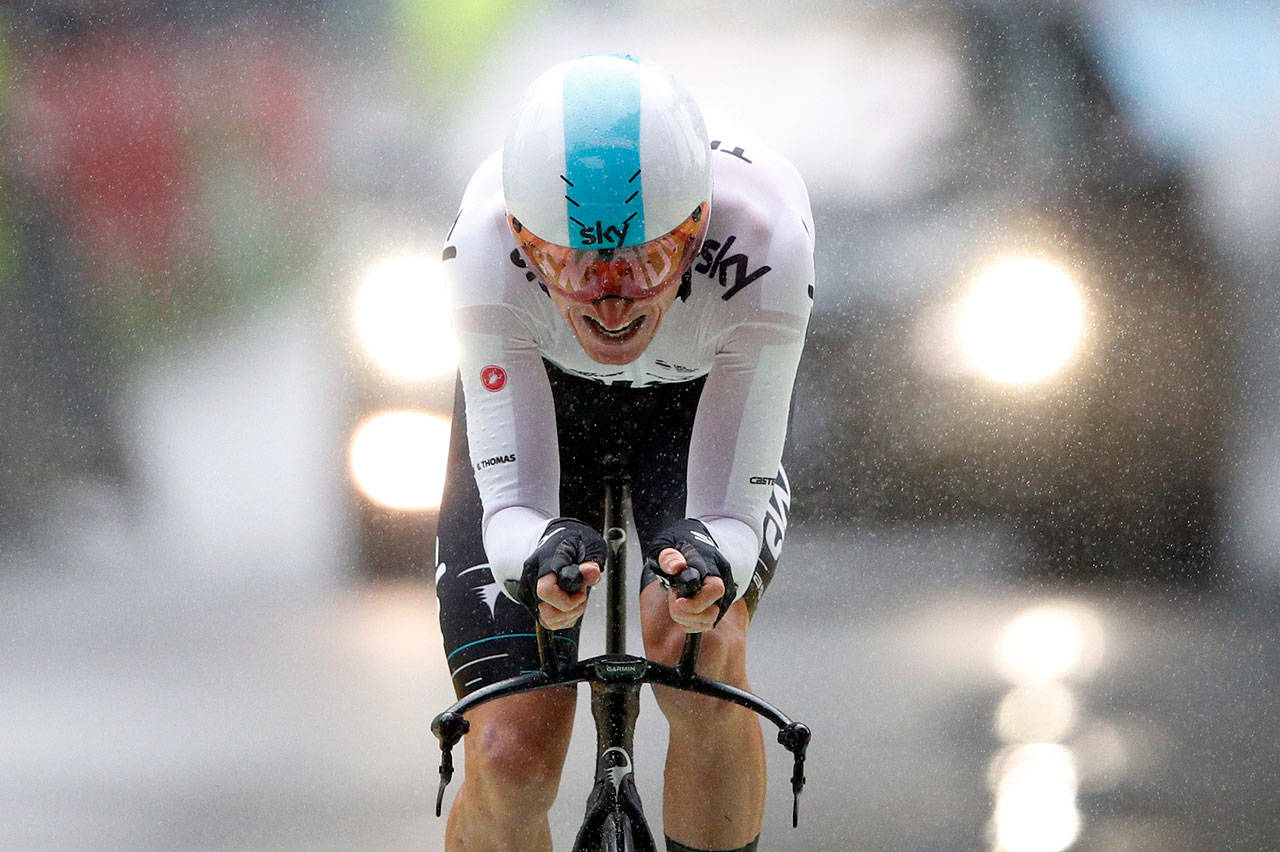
(565, 544)
(703, 557)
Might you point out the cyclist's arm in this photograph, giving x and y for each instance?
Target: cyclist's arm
(736, 446)
(512, 437)
(514, 453)
(510, 416)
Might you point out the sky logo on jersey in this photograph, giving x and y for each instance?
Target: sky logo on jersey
(715, 262)
(493, 377)
(776, 515)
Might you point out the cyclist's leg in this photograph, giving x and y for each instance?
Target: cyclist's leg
(714, 792)
(515, 749)
(516, 746)
(514, 754)
(713, 797)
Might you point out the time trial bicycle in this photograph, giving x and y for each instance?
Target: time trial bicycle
(614, 818)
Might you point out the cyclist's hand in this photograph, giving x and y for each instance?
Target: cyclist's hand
(557, 609)
(700, 585)
(695, 614)
(556, 576)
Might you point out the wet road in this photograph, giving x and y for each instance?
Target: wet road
(192, 669)
(145, 708)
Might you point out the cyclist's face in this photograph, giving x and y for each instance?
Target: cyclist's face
(615, 329)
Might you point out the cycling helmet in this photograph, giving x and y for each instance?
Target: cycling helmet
(607, 177)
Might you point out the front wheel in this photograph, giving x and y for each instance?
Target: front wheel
(617, 826)
(617, 835)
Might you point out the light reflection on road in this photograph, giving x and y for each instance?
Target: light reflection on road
(145, 707)
(1035, 780)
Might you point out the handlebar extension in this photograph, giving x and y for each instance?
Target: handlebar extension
(569, 579)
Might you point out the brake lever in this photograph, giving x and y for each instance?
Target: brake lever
(795, 739)
(449, 728)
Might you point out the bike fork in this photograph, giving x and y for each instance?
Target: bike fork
(615, 801)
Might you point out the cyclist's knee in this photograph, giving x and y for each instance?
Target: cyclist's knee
(724, 649)
(723, 656)
(515, 750)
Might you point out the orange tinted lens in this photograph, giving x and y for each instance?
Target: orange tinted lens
(634, 271)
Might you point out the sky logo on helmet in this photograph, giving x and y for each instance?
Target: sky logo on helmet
(600, 234)
(613, 236)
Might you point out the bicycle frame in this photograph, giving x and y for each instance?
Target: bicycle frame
(615, 678)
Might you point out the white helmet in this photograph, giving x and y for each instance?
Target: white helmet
(606, 152)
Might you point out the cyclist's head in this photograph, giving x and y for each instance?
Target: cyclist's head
(607, 177)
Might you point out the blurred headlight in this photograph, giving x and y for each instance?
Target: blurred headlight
(402, 318)
(398, 459)
(1022, 321)
(1050, 641)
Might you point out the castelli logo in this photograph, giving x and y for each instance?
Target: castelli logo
(493, 377)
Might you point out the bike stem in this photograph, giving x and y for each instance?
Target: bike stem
(615, 567)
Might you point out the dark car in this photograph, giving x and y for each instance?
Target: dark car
(1030, 327)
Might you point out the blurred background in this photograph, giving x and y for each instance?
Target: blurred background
(1030, 599)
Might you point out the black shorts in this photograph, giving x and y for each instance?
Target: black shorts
(487, 636)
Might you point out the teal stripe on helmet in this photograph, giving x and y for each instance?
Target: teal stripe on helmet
(603, 198)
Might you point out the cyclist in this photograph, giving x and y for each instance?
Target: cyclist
(625, 286)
